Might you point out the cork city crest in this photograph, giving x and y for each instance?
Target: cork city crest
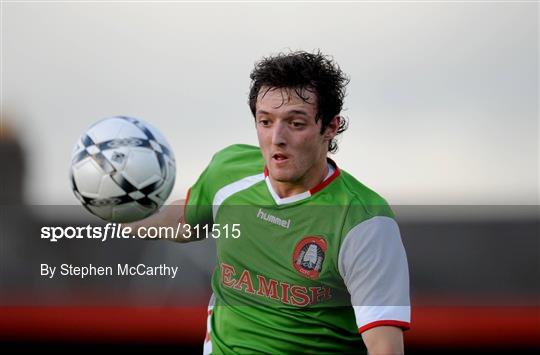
(309, 255)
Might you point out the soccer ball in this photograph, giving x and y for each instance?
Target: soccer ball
(122, 169)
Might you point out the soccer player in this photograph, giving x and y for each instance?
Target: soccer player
(316, 258)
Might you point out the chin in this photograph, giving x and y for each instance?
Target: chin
(281, 176)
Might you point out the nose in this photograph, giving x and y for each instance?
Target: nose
(279, 134)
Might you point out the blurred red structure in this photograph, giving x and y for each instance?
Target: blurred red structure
(432, 327)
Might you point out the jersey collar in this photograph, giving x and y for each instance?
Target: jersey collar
(306, 194)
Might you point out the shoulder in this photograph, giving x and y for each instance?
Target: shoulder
(239, 156)
(370, 232)
(235, 162)
(363, 203)
(238, 149)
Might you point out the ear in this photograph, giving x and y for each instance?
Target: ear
(332, 128)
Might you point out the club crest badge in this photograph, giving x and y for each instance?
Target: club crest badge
(309, 255)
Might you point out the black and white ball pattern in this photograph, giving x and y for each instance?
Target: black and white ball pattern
(122, 169)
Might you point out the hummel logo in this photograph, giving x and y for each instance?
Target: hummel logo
(285, 223)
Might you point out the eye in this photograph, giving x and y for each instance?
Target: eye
(298, 124)
(264, 122)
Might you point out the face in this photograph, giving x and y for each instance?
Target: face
(290, 139)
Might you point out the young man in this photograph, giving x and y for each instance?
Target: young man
(317, 257)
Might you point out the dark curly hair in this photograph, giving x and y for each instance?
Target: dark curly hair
(301, 71)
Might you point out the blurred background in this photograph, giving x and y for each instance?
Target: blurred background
(443, 110)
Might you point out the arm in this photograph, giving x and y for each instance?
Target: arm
(168, 216)
(373, 265)
(383, 340)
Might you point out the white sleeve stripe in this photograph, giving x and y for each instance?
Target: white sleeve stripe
(357, 237)
(373, 265)
(229, 190)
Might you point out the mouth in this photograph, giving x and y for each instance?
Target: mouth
(279, 157)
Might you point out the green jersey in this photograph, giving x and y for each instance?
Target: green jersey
(306, 273)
